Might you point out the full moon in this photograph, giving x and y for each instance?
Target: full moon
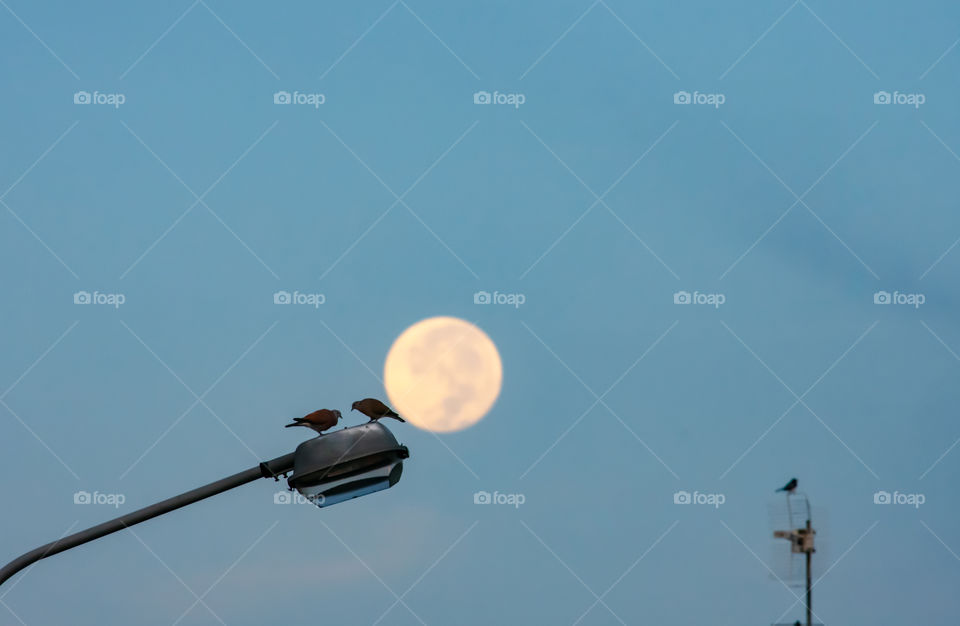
(443, 374)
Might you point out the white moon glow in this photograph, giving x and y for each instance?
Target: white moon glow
(443, 374)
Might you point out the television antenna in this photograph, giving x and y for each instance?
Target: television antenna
(801, 537)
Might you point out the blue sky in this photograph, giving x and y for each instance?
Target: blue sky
(601, 198)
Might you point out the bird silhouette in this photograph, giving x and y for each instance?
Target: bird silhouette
(321, 420)
(790, 487)
(374, 409)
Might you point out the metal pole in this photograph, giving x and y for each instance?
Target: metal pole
(268, 469)
(809, 586)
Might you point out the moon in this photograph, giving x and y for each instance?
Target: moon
(443, 374)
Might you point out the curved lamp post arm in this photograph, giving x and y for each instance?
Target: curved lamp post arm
(267, 469)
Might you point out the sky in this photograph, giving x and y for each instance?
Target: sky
(734, 229)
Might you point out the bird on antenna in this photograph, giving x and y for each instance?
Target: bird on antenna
(790, 487)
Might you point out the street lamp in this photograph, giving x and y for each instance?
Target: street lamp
(327, 469)
(350, 463)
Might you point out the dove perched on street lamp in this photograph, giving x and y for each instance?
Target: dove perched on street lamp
(321, 420)
(790, 487)
(374, 409)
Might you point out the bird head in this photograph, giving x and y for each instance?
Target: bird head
(337, 412)
(353, 407)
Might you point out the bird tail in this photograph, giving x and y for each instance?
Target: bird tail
(398, 418)
(780, 489)
(297, 421)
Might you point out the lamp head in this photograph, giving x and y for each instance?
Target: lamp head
(347, 464)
